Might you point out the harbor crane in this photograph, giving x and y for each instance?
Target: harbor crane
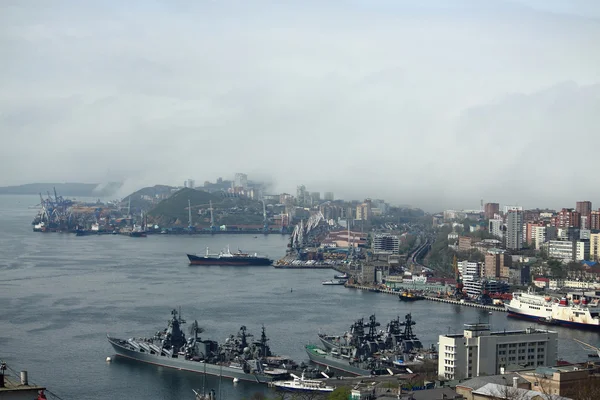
(213, 227)
(589, 346)
(265, 221)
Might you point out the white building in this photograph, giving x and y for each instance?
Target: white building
(512, 208)
(562, 250)
(466, 268)
(514, 230)
(538, 235)
(240, 180)
(582, 250)
(479, 351)
(495, 227)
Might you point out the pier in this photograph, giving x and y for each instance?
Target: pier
(431, 298)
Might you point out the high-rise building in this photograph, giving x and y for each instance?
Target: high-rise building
(514, 229)
(490, 209)
(566, 218)
(315, 196)
(240, 180)
(584, 208)
(595, 246)
(301, 195)
(191, 183)
(594, 223)
(538, 236)
(328, 196)
(363, 211)
(497, 264)
(479, 351)
(563, 250)
(496, 227)
(529, 230)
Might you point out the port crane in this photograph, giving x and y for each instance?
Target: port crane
(213, 227)
(458, 293)
(265, 221)
(589, 346)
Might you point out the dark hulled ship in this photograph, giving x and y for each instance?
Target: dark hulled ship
(228, 258)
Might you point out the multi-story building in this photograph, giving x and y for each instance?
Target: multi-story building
(385, 243)
(363, 211)
(514, 229)
(563, 250)
(582, 250)
(315, 197)
(497, 264)
(595, 246)
(529, 230)
(508, 208)
(584, 208)
(566, 218)
(328, 196)
(464, 243)
(595, 220)
(240, 180)
(538, 236)
(490, 209)
(471, 269)
(479, 351)
(301, 195)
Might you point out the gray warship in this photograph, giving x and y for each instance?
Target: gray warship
(371, 352)
(235, 358)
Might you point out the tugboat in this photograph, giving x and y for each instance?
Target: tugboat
(236, 358)
(409, 296)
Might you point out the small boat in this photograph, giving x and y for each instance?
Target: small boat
(301, 384)
(337, 282)
(408, 296)
(341, 276)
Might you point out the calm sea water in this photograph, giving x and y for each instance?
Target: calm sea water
(61, 294)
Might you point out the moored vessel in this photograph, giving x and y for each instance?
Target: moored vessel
(227, 258)
(572, 310)
(236, 358)
(334, 282)
(409, 296)
(301, 384)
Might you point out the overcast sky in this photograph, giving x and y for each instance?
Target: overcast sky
(434, 103)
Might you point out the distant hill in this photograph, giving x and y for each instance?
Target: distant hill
(174, 210)
(69, 189)
(140, 200)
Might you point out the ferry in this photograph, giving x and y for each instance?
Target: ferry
(574, 310)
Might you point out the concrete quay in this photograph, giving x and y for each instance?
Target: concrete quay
(441, 300)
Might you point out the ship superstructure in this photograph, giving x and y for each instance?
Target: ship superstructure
(236, 358)
(573, 309)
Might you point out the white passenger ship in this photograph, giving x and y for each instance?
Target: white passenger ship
(574, 309)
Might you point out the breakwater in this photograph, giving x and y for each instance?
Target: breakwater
(431, 298)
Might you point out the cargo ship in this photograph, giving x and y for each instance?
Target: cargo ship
(236, 358)
(572, 310)
(228, 258)
(409, 296)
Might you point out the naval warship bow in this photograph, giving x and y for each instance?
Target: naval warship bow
(365, 351)
(237, 357)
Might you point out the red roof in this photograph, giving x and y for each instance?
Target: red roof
(542, 279)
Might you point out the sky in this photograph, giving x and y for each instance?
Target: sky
(437, 104)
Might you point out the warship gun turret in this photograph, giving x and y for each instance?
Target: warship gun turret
(236, 358)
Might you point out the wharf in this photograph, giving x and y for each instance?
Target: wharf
(432, 298)
(291, 266)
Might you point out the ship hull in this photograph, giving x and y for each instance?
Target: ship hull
(338, 364)
(187, 365)
(229, 261)
(542, 320)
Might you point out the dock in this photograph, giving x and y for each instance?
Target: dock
(431, 298)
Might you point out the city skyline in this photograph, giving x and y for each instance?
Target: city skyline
(430, 103)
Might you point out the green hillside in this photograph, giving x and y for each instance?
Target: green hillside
(174, 210)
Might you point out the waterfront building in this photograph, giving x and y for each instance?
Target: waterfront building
(479, 351)
(475, 286)
(386, 243)
(490, 209)
(468, 268)
(514, 229)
